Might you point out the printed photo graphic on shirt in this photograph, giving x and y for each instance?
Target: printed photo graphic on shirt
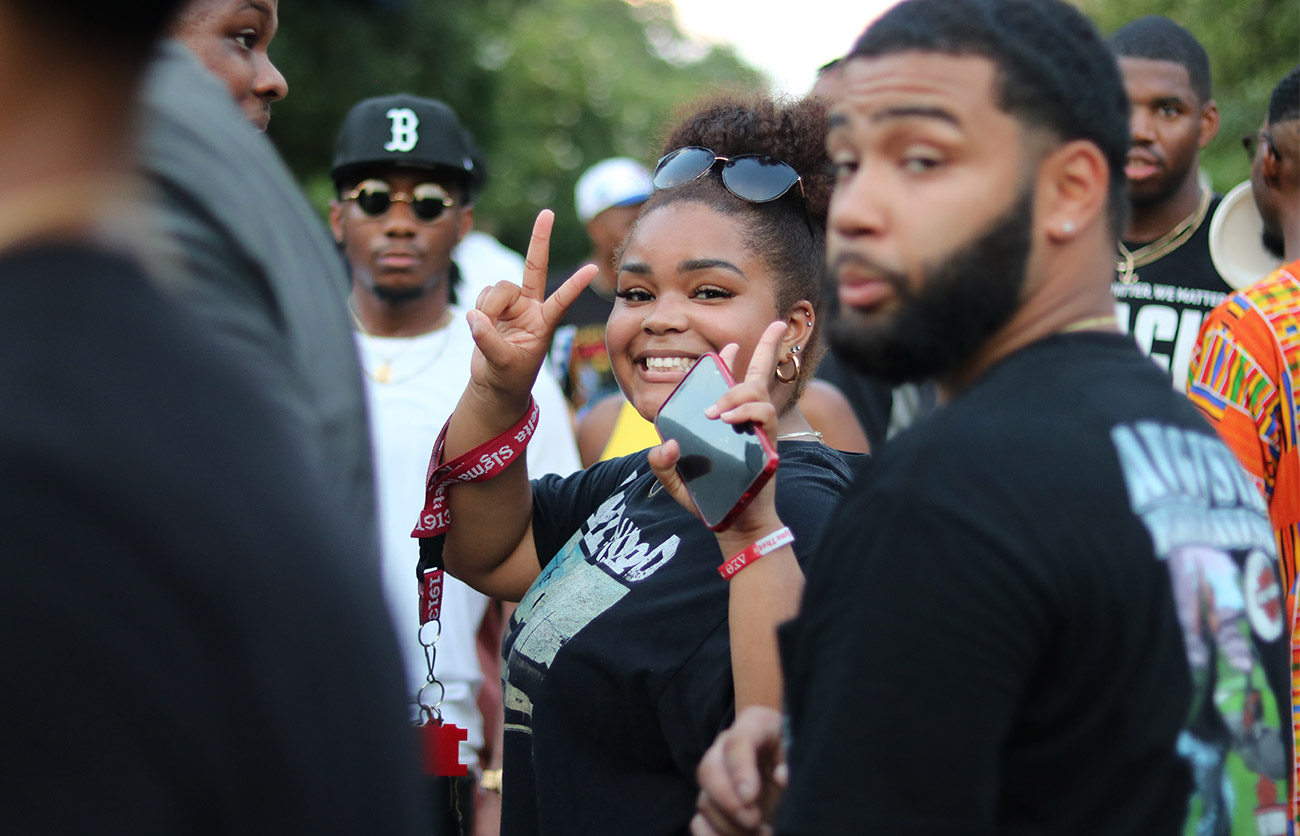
(1209, 523)
(1164, 320)
(598, 565)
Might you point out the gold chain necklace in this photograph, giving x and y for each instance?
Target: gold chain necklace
(383, 373)
(1130, 260)
(1108, 322)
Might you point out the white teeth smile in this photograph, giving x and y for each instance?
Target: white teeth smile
(669, 364)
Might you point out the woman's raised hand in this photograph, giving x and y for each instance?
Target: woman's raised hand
(513, 324)
(749, 400)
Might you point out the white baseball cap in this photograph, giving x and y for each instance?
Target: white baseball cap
(618, 181)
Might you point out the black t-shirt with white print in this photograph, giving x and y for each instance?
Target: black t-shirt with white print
(618, 667)
(997, 634)
(1163, 303)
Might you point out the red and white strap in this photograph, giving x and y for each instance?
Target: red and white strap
(781, 537)
(478, 465)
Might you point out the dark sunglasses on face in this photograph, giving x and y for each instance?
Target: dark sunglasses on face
(1251, 143)
(428, 201)
(751, 177)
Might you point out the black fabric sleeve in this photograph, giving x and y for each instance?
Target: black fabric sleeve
(562, 504)
(809, 484)
(900, 727)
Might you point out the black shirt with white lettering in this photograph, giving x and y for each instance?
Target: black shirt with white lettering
(618, 658)
(1164, 303)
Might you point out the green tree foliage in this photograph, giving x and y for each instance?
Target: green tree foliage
(1251, 44)
(547, 87)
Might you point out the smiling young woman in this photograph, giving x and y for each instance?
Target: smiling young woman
(629, 651)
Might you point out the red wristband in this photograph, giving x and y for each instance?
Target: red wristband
(781, 537)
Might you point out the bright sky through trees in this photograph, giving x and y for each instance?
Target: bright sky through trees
(786, 40)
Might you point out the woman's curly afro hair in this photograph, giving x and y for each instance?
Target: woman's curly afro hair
(789, 233)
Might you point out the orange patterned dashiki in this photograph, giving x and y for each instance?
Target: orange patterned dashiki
(1243, 377)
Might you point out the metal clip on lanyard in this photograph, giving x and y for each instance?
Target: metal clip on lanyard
(439, 741)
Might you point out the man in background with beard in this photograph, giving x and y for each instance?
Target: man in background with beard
(988, 641)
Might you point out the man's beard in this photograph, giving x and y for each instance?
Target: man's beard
(1273, 242)
(400, 295)
(959, 305)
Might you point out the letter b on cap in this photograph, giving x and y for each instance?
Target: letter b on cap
(404, 125)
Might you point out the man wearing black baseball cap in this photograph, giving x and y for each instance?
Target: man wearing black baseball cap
(407, 174)
(385, 145)
(407, 131)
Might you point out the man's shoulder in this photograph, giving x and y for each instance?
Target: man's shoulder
(1049, 405)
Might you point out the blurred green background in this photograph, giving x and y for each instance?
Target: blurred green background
(549, 87)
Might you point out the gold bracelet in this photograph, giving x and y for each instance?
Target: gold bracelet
(490, 781)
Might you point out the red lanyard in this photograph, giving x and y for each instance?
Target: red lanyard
(478, 465)
(439, 741)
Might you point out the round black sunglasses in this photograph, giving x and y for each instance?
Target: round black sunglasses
(428, 201)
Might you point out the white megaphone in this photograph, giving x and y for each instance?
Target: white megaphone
(1236, 240)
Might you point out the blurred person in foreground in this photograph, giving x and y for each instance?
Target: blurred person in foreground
(1245, 373)
(244, 251)
(191, 645)
(992, 637)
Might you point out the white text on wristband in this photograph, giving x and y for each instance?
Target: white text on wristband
(478, 465)
(781, 537)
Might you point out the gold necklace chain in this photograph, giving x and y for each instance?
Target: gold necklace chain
(1130, 260)
(383, 373)
(1108, 321)
(802, 434)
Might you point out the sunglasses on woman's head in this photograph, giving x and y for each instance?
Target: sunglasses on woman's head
(428, 201)
(751, 177)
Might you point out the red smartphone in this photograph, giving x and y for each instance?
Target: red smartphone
(723, 465)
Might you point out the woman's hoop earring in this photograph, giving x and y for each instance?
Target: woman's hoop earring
(793, 357)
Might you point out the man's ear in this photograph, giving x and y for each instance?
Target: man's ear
(336, 221)
(1073, 190)
(1209, 122)
(465, 224)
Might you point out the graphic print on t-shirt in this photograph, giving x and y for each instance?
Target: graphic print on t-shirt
(1210, 524)
(592, 571)
(1165, 320)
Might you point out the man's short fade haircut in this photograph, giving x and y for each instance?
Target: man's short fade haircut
(126, 31)
(1054, 70)
(1284, 104)
(1157, 38)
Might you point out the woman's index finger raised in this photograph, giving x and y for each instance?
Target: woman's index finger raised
(554, 307)
(762, 363)
(537, 259)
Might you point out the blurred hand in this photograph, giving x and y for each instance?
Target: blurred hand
(742, 777)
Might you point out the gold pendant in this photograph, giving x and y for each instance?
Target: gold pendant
(384, 373)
